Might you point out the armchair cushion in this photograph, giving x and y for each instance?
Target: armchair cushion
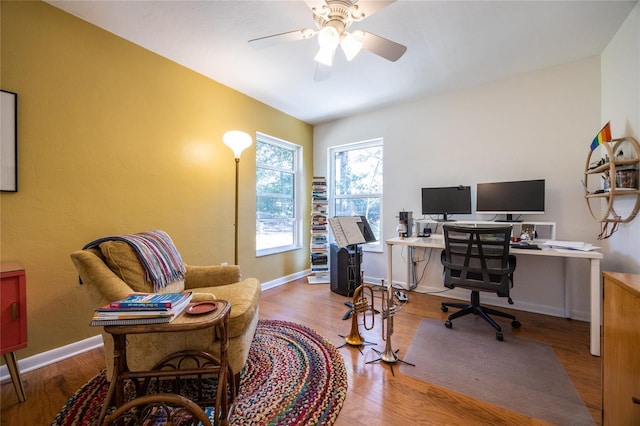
(123, 261)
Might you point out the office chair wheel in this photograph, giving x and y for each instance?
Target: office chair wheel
(444, 308)
(499, 337)
(515, 324)
(448, 324)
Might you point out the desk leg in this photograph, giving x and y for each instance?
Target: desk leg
(565, 280)
(409, 265)
(596, 306)
(389, 262)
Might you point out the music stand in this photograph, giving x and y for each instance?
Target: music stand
(351, 231)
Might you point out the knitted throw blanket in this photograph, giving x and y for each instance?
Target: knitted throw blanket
(157, 254)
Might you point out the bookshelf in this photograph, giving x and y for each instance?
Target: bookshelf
(319, 232)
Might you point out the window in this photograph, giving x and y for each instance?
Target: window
(356, 183)
(278, 223)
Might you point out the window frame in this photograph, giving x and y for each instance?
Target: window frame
(297, 193)
(331, 153)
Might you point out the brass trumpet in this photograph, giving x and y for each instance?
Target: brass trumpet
(390, 307)
(361, 306)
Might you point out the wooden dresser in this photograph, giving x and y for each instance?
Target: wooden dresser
(13, 322)
(621, 349)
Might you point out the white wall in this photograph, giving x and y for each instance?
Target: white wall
(621, 105)
(537, 125)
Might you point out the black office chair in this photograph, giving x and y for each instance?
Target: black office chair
(478, 259)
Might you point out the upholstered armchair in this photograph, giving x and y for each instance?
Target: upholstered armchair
(112, 270)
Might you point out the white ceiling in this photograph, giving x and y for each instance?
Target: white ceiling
(450, 45)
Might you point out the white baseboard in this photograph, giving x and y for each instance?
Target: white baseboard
(50, 357)
(283, 280)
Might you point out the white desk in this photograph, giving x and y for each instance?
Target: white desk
(594, 263)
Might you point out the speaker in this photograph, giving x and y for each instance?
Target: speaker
(344, 264)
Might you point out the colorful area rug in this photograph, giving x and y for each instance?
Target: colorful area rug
(292, 376)
(519, 374)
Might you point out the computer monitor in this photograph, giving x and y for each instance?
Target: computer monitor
(511, 198)
(446, 200)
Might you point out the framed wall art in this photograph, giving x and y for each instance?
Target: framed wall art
(8, 141)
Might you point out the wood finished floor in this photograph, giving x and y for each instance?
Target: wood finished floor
(375, 396)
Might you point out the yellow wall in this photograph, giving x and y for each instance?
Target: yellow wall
(115, 139)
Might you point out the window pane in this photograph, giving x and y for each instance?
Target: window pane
(274, 156)
(367, 207)
(276, 222)
(274, 207)
(359, 171)
(274, 182)
(274, 233)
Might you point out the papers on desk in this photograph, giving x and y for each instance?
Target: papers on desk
(570, 245)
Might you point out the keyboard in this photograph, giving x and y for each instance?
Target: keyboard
(526, 246)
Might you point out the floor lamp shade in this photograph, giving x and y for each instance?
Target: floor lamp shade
(238, 141)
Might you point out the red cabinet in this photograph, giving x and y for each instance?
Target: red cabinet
(13, 318)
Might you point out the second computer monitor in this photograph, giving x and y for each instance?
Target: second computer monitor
(511, 198)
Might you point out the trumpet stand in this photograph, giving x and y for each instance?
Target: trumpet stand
(389, 310)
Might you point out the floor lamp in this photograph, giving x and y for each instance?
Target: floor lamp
(237, 141)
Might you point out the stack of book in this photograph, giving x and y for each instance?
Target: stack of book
(142, 308)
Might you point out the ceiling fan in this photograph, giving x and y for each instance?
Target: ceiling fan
(333, 18)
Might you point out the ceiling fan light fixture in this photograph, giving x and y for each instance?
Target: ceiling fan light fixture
(328, 37)
(325, 55)
(350, 45)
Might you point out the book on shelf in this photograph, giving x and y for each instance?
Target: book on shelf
(150, 300)
(319, 257)
(319, 220)
(319, 208)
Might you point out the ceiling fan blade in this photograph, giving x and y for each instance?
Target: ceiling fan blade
(365, 8)
(272, 40)
(318, 7)
(322, 72)
(390, 50)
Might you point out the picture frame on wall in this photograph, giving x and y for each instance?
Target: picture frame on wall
(8, 141)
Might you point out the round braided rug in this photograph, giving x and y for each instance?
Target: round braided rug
(292, 376)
